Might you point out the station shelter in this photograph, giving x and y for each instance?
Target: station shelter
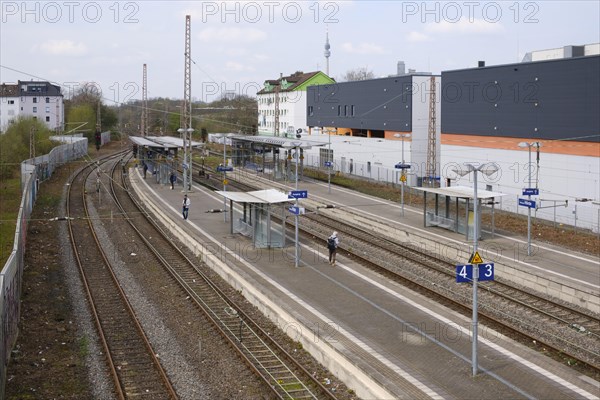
(270, 156)
(254, 219)
(160, 155)
(456, 213)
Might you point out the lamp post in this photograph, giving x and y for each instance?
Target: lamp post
(403, 175)
(224, 137)
(529, 146)
(297, 146)
(487, 169)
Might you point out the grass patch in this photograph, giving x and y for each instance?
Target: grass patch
(84, 346)
(10, 200)
(47, 200)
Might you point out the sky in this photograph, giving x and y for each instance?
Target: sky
(237, 45)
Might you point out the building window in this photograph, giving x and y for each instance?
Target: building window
(34, 117)
(352, 110)
(34, 109)
(339, 111)
(35, 99)
(48, 119)
(345, 111)
(11, 102)
(47, 109)
(47, 99)
(311, 111)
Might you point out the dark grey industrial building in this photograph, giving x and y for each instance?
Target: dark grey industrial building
(377, 105)
(552, 100)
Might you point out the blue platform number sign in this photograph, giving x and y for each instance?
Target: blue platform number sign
(486, 272)
(464, 273)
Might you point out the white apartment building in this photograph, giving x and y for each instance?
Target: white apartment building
(38, 99)
(289, 92)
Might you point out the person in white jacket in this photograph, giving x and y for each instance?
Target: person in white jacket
(186, 206)
(332, 244)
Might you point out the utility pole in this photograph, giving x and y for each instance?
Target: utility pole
(430, 172)
(144, 122)
(277, 88)
(32, 142)
(186, 108)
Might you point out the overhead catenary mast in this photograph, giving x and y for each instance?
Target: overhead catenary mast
(144, 121)
(186, 107)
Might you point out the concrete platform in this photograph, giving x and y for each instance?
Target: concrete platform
(383, 340)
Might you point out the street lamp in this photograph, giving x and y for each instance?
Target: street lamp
(403, 167)
(537, 145)
(187, 158)
(296, 146)
(487, 169)
(224, 137)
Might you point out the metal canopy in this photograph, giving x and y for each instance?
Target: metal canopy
(463, 192)
(276, 141)
(172, 142)
(268, 196)
(140, 141)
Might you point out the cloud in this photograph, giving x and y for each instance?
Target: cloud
(464, 26)
(362, 48)
(62, 48)
(244, 35)
(234, 66)
(415, 36)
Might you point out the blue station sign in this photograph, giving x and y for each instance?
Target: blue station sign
(402, 166)
(527, 203)
(531, 192)
(298, 194)
(221, 168)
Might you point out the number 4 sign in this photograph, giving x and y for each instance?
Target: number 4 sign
(464, 273)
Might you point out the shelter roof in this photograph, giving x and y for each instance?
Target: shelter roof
(463, 192)
(277, 141)
(171, 141)
(267, 196)
(142, 141)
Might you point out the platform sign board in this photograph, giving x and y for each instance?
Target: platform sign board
(221, 168)
(531, 192)
(402, 166)
(486, 272)
(298, 194)
(527, 203)
(464, 273)
(296, 210)
(328, 164)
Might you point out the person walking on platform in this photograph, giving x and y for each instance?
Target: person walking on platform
(186, 206)
(332, 244)
(145, 169)
(172, 179)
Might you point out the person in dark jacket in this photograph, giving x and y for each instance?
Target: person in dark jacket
(172, 179)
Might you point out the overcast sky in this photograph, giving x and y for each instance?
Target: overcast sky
(237, 45)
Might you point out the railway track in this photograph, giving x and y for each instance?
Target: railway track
(276, 367)
(572, 333)
(135, 370)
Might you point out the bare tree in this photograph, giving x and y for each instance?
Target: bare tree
(358, 74)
